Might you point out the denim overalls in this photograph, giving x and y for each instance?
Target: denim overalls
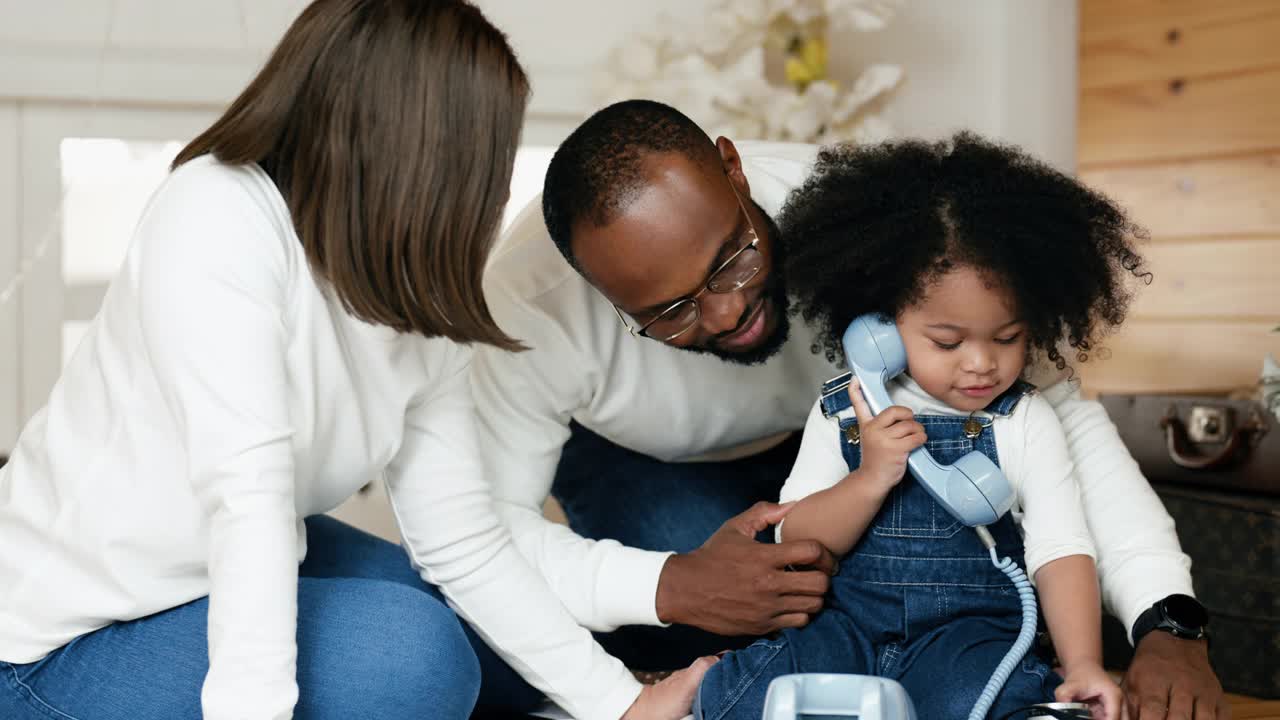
(916, 600)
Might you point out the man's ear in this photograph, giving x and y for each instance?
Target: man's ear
(732, 163)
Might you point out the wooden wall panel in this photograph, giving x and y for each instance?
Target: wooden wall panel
(1236, 279)
(1181, 357)
(1180, 123)
(1172, 120)
(1198, 198)
(1124, 42)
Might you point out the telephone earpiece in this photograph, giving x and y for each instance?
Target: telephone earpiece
(973, 489)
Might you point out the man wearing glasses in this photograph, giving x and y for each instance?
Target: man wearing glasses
(662, 392)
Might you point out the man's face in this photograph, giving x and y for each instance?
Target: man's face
(664, 245)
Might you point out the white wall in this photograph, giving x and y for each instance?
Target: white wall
(201, 52)
(1005, 68)
(1002, 67)
(10, 251)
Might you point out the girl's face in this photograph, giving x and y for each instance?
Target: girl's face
(965, 344)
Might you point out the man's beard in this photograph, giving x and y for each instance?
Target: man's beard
(775, 294)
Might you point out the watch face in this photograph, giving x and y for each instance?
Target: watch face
(1185, 611)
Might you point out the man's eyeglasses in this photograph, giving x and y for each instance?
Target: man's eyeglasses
(682, 315)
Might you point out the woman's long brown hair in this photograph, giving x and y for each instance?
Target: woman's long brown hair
(391, 127)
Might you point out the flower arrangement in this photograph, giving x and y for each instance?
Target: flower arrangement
(759, 69)
(1269, 386)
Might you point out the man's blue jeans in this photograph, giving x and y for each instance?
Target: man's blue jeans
(608, 491)
(373, 641)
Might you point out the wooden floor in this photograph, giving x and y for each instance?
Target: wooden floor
(1242, 706)
(1247, 708)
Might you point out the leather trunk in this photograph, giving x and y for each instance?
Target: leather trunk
(1202, 441)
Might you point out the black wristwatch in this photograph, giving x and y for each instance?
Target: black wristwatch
(1180, 615)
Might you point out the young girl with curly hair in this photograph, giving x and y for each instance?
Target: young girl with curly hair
(987, 261)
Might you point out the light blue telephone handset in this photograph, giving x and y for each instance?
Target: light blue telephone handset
(973, 490)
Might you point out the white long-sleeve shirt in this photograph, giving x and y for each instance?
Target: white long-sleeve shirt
(673, 404)
(1033, 457)
(221, 396)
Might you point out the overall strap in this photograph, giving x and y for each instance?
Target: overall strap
(834, 399)
(1005, 403)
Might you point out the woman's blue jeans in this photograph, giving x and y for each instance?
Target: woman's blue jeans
(374, 641)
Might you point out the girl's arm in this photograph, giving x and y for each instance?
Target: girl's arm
(838, 515)
(1073, 610)
(1059, 555)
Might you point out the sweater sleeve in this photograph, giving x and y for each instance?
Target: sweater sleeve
(524, 404)
(455, 538)
(1139, 558)
(212, 287)
(819, 464)
(1053, 521)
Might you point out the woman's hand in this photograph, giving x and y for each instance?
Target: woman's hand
(672, 698)
(887, 439)
(1088, 683)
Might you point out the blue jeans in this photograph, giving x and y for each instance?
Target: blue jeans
(373, 641)
(610, 492)
(917, 600)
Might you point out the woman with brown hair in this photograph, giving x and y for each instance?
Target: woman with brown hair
(293, 320)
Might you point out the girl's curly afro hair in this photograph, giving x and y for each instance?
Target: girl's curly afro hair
(874, 226)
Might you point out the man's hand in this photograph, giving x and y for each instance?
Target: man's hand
(671, 698)
(1171, 678)
(733, 585)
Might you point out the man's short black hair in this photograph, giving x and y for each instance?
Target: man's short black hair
(598, 170)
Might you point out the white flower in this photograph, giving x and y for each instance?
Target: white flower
(799, 11)
(807, 114)
(861, 15)
(871, 129)
(637, 60)
(1270, 384)
(713, 71)
(871, 84)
